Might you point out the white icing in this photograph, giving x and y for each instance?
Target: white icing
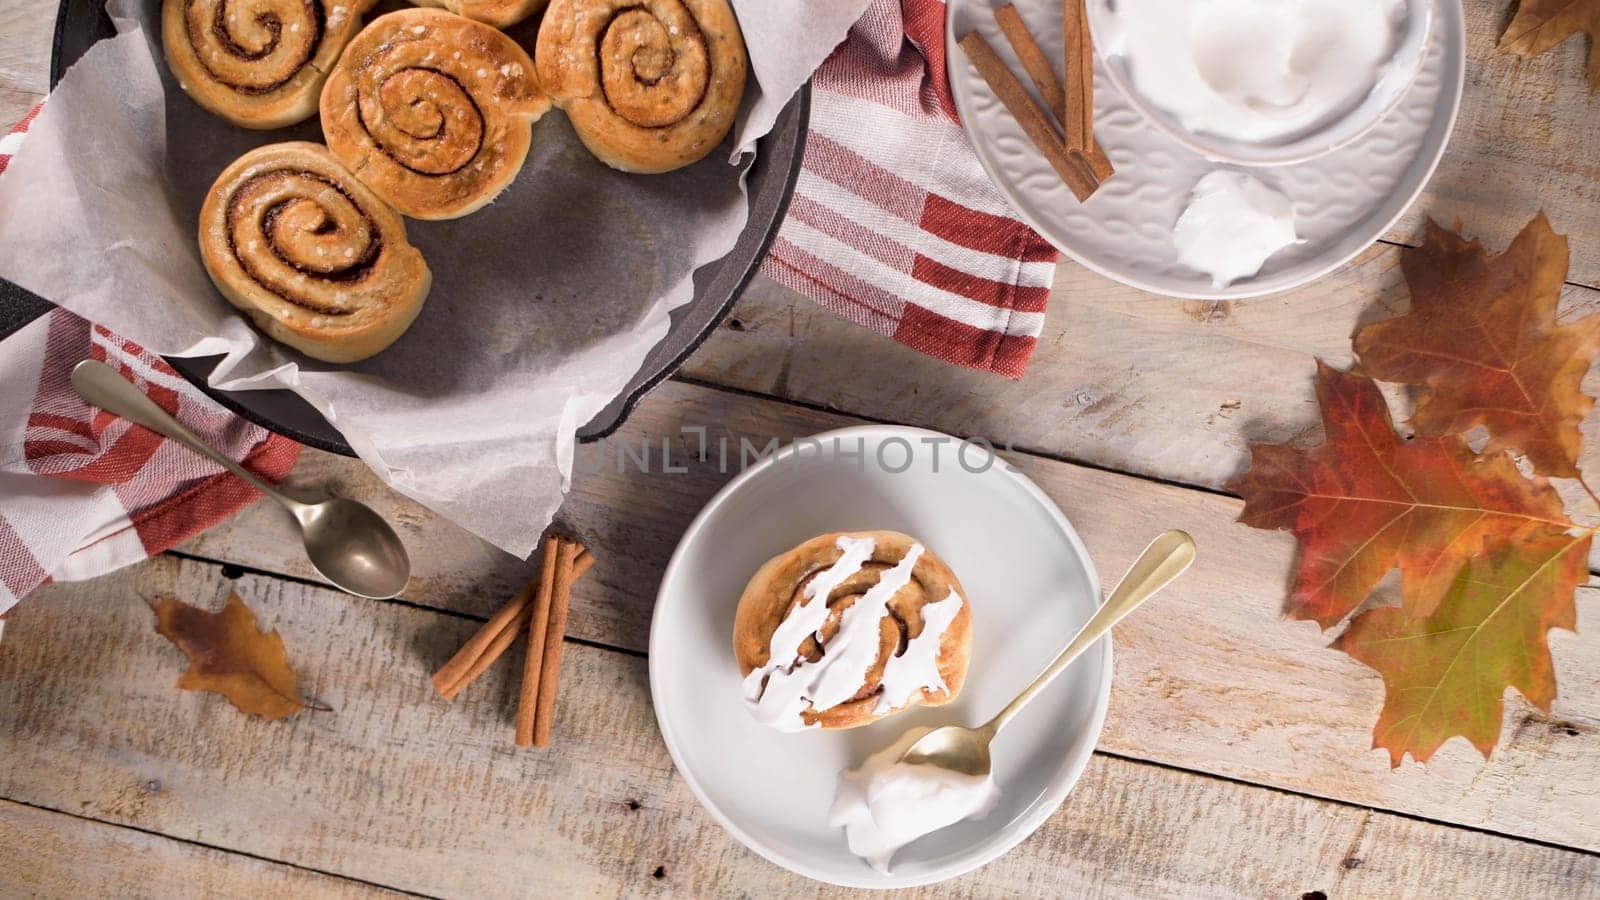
(1232, 225)
(918, 667)
(885, 804)
(853, 650)
(779, 692)
(1255, 70)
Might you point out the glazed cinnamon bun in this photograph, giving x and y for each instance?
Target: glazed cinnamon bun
(432, 111)
(311, 255)
(848, 628)
(649, 86)
(257, 63)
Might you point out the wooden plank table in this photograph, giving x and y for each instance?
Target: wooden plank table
(1235, 759)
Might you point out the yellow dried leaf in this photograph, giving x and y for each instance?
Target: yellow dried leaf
(229, 655)
(1542, 24)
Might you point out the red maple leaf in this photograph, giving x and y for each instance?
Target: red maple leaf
(1367, 501)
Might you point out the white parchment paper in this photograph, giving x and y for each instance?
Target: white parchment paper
(543, 304)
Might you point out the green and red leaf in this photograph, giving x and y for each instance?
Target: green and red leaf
(1367, 501)
(1446, 673)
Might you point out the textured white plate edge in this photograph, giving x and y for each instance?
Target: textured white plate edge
(1457, 41)
(1016, 831)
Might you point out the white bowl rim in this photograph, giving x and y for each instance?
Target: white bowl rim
(1305, 148)
(1017, 830)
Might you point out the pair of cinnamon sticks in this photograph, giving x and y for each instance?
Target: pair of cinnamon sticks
(540, 610)
(1073, 151)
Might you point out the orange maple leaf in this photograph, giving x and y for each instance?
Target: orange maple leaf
(1482, 341)
(1446, 674)
(1365, 502)
(229, 655)
(1542, 24)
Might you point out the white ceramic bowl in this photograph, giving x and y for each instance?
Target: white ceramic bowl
(1343, 201)
(1030, 584)
(1296, 148)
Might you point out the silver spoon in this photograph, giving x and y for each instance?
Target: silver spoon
(966, 750)
(348, 543)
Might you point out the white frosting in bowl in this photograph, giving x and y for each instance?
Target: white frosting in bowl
(884, 804)
(1256, 70)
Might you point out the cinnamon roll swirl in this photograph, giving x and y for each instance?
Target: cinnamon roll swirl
(311, 255)
(257, 63)
(650, 85)
(848, 628)
(432, 111)
(499, 13)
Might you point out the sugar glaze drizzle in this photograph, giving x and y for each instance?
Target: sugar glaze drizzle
(779, 692)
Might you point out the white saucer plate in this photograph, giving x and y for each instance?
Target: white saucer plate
(1031, 586)
(1343, 202)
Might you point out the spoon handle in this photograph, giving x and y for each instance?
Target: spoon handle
(100, 385)
(1165, 559)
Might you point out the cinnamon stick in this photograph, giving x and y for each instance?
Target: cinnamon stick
(1079, 63)
(507, 637)
(1034, 62)
(493, 638)
(527, 698)
(1096, 157)
(1034, 121)
(1097, 161)
(1077, 112)
(550, 674)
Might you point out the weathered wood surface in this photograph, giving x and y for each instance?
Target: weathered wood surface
(397, 788)
(25, 30)
(1169, 389)
(1210, 678)
(1524, 141)
(54, 854)
(400, 790)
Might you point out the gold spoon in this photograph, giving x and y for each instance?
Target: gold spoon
(348, 543)
(966, 750)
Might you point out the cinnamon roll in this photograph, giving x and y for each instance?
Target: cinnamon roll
(257, 63)
(432, 111)
(499, 13)
(848, 628)
(311, 255)
(650, 85)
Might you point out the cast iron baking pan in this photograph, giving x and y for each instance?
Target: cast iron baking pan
(717, 285)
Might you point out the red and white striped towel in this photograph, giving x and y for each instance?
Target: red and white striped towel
(10, 143)
(83, 492)
(894, 224)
